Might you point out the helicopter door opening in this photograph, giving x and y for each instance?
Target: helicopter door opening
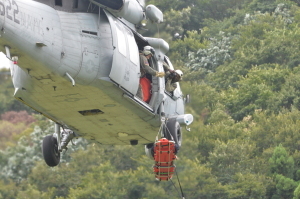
(125, 69)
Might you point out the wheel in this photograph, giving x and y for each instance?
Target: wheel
(50, 151)
(173, 130)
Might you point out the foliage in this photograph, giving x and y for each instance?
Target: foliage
(230, 158)
(207, 60)
(12, 125)
(9, 133)
(249, 185)
(20, 159)
(281, 163)
(8, 190)
(180, 47)
(297, 193)
(17, 117)
(255, 91)
(284, 187)
(17, 161)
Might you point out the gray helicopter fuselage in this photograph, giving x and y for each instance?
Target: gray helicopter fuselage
(82, 71)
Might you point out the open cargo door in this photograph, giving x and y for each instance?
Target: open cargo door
(126, 63)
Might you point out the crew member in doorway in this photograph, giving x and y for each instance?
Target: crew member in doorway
(172, 76)
(144, 91)
(147, 53)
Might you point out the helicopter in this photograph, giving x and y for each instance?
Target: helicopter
(77, 63)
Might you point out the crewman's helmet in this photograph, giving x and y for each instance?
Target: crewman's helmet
(148, 50)
(179, 75)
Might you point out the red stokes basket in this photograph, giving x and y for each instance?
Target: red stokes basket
(164, 155)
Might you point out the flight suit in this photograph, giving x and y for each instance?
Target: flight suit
(145, 67)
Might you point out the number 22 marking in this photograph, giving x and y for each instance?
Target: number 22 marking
(2, 9)
(16, 11)
(8, 8)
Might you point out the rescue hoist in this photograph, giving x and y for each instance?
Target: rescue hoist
(164, 154)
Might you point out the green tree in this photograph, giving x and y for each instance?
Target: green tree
(281, 163)
(248, 186)
(230, 158)
(207, 60)
(30, 191)
(8, 189)
(270, 130)
(285, 187)
(182, 46)
(297, 192)
(255, 91)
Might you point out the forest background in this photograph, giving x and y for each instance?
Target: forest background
(241, 67)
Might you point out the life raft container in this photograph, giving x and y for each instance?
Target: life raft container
(164, 156)
(145, 85)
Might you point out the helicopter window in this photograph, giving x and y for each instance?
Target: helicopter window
(134, 56)
(121, 40)
(58, 2)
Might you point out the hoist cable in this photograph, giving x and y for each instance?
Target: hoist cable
(179, 184)
(175, 188)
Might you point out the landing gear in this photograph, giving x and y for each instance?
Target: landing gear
(50, 151)
(54, 144)
(173, 132)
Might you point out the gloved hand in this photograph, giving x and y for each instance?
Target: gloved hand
(160, 74)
